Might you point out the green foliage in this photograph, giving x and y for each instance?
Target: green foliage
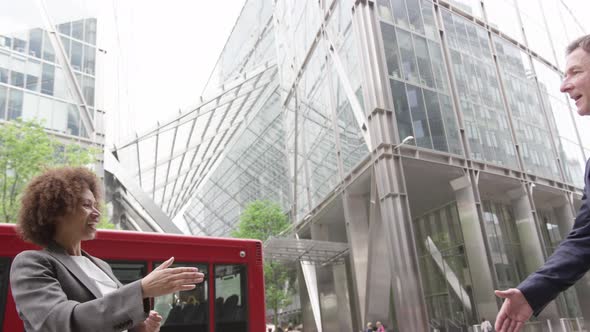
(104, 222)
(261, 220)
(25, 151)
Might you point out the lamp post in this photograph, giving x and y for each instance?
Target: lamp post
(404, 141)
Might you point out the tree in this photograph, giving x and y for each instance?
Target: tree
(26, 149)
(260, 220)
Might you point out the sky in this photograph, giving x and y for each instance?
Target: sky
(159, 55)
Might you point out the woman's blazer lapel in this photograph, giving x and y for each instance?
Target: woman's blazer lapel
(62, 256)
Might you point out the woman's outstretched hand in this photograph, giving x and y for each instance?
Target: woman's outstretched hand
(165, 279)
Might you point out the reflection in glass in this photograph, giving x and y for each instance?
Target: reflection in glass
(231, 298)
(530, 126)
(504, 243)
(15, 104)
(402, 111)
(391, 52)
(3, 102)
(426, 76)
(419, 117)
(399, 13)
(185, 310)
(485, 120)
(410, 68)
(47, 79)
(444, 270)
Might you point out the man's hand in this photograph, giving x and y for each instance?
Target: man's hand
(514, 312)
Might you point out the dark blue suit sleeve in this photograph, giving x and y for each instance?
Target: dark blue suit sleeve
(569, 262)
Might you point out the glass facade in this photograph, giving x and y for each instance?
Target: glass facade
(455, 212)
(47, 73)
(445, 272)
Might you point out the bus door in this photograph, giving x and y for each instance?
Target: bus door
(231, 298)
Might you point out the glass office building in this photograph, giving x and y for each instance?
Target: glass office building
(48, 58)
(308, 106)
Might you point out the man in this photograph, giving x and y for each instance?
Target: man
(571, 259)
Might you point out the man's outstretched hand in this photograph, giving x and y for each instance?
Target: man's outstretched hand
(515, 311)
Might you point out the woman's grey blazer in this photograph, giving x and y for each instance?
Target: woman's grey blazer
(53, 294)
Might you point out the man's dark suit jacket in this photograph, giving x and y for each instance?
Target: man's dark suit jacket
(53, 294)
(568, 264)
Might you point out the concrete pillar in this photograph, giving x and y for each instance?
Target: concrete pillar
(475, 250)
(379, 278)
(530, 241)
(356, 213)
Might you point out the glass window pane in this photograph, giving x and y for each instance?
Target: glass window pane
(410, 68)
(399, 13)
(415, 16)
(35, 41)
(89, 59)
(402, 111)
(73, 121)
(4, 60)
(186, 310)
(76, 55)
(231, 304)
(3, 102)
(48, 52)
(88, 90)
(78, 30)
(15, 104)
(435, 120)
(33, 73)
(47, 80)
(426, 76)
(65, 28)
(429, 23)
(384, 10)
(419, 117)
(391, 52)
(90, 31)
(128, 272)
(17, 76)
(4, 272)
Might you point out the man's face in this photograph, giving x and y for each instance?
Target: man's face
(577, 80)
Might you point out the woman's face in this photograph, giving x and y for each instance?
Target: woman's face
(80, 224)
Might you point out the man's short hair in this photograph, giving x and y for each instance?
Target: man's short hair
(582, 42)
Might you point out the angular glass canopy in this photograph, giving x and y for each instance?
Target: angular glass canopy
(172, 160)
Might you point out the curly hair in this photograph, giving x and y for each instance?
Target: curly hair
(50, 195)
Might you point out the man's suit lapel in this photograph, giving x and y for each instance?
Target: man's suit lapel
(62, 256)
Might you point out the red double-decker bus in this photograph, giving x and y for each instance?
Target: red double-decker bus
(230, 299)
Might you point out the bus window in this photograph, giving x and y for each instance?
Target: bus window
(128, 272)
(230, 298)
(4, 271)
(185, 311)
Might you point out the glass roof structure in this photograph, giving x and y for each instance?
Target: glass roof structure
(305, 250)
(172, 160)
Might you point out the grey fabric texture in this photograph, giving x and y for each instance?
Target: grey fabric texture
(53, 294)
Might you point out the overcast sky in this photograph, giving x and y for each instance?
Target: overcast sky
(159, 57)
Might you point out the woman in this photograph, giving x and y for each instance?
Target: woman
(62, 288)
(380, 327)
